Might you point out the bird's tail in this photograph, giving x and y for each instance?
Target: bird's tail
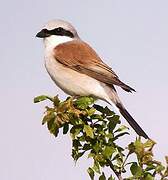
(114, 99)
(131, 121)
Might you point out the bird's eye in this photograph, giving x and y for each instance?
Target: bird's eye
(59, 29)
(45, 30)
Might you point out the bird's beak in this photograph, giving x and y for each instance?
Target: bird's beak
(42, 34)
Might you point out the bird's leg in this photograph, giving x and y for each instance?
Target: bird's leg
(74, 97)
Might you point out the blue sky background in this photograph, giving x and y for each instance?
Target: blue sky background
(130, 36)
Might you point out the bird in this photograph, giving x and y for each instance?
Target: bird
(77, 69)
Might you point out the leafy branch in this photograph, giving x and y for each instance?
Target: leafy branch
(95, 131)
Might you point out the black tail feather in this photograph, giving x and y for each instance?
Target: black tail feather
(132, 122)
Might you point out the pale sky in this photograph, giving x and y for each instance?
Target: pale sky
(130, 36)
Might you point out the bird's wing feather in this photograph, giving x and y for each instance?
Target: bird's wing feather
(80, 57)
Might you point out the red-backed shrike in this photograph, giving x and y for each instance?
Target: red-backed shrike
(78, 70)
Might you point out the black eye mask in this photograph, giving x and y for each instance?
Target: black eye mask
(57, 31)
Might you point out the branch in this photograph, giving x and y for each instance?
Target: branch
(95, 129)
(118, 174)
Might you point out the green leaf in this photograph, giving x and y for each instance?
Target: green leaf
(131, 147)
(42, 98)
(48, 117)
(149, 143)
(96, 147)
(65, 128)
(91, 155)
(119, 135)
(149, 177)
(135, 169)
(97, 116)
(113, 121)
(76, 154)
(119, 161)
(99, 158)
(81, 138)
(116, 157)
(91, 111)
(166, 173)
(102, 177)
(139, 147)
(75, 130)
(120, 149)
(89, 131)
(91, 173)
(116, 119)
(79, 155)
(84, 102)
(108, 151)
(86, 147)
(98, 108)
(52, 127)
(56, 100)
(111, 178)
(108, 112)
(166, 158)
(111, 125)
(122, 128)
(96, 167)
(98, 127)
(76, 144)
(150, 167)
(159, 168)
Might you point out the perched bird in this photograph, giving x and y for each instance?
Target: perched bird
(78, 70)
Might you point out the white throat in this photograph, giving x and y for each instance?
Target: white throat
(53, 41)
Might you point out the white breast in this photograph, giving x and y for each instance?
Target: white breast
(52, 41)
(70, 81)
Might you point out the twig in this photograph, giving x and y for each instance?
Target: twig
(125, 161)
(118, 174)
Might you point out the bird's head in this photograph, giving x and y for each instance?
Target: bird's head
(57, 31)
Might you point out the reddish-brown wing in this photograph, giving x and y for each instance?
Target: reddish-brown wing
(80, 57)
